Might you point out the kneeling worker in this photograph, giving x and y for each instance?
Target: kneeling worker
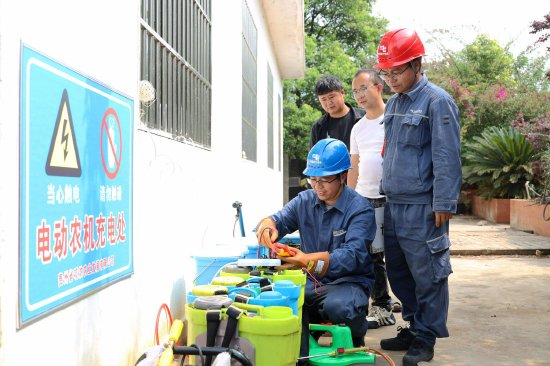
(336, 227)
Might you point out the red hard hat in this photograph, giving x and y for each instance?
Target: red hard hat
(397, 47)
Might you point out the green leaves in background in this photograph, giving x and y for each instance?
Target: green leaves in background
(498, 163)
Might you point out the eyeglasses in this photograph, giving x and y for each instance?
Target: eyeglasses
(362, 90)
(392, 75)
(314, 181)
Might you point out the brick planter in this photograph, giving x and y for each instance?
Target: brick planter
(495, 210)
(527, 216)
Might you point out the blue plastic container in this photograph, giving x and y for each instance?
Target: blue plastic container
(270, 298)
(245, 291)
(291, 290)
(207, 267)
(252, 251)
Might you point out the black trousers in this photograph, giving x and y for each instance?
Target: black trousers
(380, 293)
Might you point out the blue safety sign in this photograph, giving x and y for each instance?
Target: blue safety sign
(76, 143)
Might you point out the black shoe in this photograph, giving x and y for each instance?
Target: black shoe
(402, 342)
(418, 352)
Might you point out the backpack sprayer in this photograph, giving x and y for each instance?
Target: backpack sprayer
(341, 352)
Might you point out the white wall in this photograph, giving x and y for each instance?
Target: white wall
(182, 194)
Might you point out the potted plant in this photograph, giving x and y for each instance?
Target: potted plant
(497, 163)
(533, 214)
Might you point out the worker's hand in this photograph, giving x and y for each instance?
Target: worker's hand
(314, 263)
(267, 232)
(442, 217)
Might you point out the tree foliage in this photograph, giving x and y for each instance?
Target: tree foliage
(500, 106)
(490, 86)
(542, 26)
(340, 37)
(537, 132)
(480, 64)
(531, 73)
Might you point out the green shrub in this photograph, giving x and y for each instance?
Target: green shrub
(498, 163)
(500, 106)
(545, 176)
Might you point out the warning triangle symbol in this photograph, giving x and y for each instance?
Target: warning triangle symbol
(63, 159)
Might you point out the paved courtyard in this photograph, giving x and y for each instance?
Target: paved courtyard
(500, 299)
(471, 235)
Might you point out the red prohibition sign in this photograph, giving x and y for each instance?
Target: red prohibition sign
(111, 146)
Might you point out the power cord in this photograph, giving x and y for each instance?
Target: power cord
(199, 349)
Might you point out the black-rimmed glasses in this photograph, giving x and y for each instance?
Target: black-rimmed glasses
(314, 181)
(392, 75)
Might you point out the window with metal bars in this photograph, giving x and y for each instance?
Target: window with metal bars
(249, 90)
(176, 59)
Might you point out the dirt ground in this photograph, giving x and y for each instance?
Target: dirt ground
(499, 314)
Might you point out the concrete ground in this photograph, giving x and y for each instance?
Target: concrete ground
(499, 299)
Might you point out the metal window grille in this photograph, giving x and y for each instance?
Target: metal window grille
(249, 90)
(176, 59)
(270, 151)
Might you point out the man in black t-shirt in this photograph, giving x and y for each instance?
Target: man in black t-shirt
(339, 116)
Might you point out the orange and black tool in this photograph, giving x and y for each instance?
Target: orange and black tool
(282, 250)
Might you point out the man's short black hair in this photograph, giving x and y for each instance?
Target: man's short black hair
(327, 84)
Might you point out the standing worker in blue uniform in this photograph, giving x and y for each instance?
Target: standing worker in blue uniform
(336, 226)
(421, 178)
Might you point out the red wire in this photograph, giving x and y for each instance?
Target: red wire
(167, 311)
(317, 286)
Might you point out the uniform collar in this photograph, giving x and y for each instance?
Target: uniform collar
(415, 91)
(340, 203)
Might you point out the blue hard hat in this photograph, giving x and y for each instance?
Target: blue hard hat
(327, 157)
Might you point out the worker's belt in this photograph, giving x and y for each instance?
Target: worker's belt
(377, 202)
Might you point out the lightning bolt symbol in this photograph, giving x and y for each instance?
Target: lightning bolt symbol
(65, 139)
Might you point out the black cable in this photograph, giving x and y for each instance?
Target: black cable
(200, 353)
(239, 357)
(212, 351)
(261, 235)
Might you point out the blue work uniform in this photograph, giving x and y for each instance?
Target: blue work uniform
(421, 175)
(345, 230)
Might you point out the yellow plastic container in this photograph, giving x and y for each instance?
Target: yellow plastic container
(295, 275)
(209, 290)
(273, 331)
(228, 281)
(298, 277)
(242, 276)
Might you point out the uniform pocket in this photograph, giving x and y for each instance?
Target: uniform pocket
(410, 131)
(441, 257)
